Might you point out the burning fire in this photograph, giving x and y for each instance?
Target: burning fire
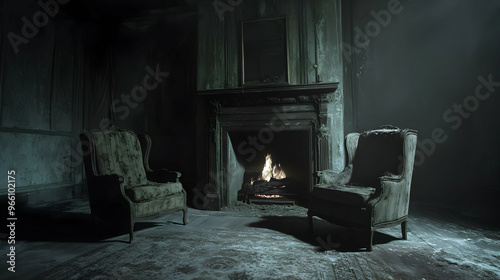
(270, 171)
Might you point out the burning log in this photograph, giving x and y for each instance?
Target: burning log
(262, 186)
(273, 183)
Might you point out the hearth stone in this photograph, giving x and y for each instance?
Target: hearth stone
(288, 199)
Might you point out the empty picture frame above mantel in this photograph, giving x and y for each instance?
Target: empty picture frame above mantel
(264, 52)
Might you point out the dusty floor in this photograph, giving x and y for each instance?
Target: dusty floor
(249, 242)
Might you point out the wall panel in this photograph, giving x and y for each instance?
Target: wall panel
(40, 103)
(27, 71)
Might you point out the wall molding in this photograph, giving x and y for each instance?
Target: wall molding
(41, 187)
(37, 131)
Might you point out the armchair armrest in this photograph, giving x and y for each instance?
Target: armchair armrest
(393, 198)
(163, 176)
(336, 178)
(389, 185)
(391, 178)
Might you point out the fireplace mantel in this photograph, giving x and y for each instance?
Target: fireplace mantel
(309, 89)
(256, 109)
(273, 94)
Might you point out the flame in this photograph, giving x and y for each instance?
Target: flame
(278, 173)
(270, 171)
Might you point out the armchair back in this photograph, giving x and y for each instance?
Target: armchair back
(119, 152)
(378, 153)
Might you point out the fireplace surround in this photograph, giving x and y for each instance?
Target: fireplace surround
(244, 122)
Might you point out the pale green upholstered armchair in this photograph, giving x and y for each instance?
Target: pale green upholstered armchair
(122, 188)
(373, 191)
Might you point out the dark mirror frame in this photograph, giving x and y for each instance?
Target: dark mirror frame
(264, 52)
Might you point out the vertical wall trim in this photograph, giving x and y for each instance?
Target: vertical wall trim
(303, 42)
(85, 82)
(226, 54)
(315, 20)
(52, 77)
(350, 118)
(78, 104)
(353, 87)
(79, 88)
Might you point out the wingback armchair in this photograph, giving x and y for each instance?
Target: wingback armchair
(122, 187)
(373, 190)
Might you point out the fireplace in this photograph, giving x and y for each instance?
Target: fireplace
(293, 124)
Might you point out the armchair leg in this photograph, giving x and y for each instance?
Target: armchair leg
(131, 233)
(404, 230)
(310, 221)
(184, 218)
(370, 244)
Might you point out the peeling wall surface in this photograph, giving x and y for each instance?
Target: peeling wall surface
(433, 66)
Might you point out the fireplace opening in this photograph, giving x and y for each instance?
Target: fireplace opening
(275, 172)
(271, 185)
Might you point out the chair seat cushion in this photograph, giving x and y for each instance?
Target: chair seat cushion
(152, 191)
(345, 194)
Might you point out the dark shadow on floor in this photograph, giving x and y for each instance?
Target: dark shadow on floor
(325, 236)
(60, 223)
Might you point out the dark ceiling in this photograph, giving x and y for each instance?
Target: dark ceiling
(128, 8)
